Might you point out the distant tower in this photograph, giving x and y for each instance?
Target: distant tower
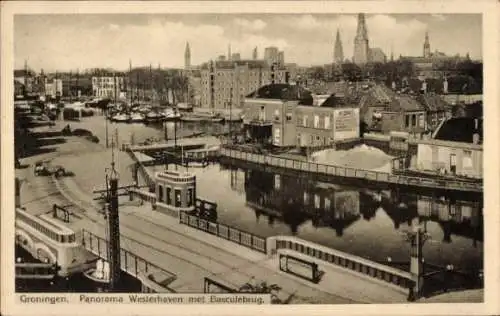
(427, 46)
(361, 48)
(392, 52)
(229, 52)
(255, 54)
(187, 56)
(338, 53)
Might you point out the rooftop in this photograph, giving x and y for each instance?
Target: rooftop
(229, 64)
(405, 103)
(283, 91)
(460, 129)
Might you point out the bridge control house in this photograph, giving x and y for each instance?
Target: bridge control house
(175, 192)
(285, 115)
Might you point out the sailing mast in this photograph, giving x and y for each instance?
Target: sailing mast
(129, 86)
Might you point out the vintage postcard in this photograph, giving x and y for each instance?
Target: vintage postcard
(250, 157)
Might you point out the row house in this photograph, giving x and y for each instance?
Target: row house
(284, 115)
(108, 86)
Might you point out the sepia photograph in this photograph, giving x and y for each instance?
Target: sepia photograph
(248, 158)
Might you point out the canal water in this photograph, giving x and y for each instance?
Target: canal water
(343, 217)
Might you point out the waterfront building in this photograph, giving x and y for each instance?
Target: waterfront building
(437, 109)
(108, 86)
(226, 83)
(404, 114)
(236, 57)
(285, 116)
(53, 87)
(454, 149)
(361, 42)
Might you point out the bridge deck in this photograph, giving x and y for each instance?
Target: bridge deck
(193, 255)
(352, 173)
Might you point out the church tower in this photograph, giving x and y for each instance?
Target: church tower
(361, 48)
(338, 51)
(427, 46)
(255, 54)
(187, 57)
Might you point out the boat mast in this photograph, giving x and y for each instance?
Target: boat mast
(129, 86)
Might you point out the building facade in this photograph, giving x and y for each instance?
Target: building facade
(291, 120)
(108, 87)
(455, 149)
(225, 84)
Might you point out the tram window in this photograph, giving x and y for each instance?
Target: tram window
(160, 193)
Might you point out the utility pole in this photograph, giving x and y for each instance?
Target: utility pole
(417, 238)
(113, 222)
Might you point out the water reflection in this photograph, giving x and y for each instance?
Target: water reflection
(308, 207)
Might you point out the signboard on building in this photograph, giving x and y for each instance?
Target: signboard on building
(346, 123)
(345, 120)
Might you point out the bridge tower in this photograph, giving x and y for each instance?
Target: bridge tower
(175, 192)
(113, 225)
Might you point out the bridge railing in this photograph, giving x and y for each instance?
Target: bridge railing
(143, 195)
(35, 270)
(364, 266)
(333, 170)
(130, 262)
(235, 235)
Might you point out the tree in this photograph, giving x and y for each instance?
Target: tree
(264, 288)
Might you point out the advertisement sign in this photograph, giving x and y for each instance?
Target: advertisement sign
(345, 120)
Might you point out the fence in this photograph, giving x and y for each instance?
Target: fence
(338, 171)
(232, 234)
(130, 263)
(367, 267)
(143, 195)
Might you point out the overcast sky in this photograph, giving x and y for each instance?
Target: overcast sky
(68, 42)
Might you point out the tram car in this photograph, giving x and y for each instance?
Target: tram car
(50, 242)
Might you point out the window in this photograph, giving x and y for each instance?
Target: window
(414, 120)
(317, 201)
(306, 198)
(289, 117)
(467, 159)
(304, 121)
(407, 120)
(327, 122)
(178, 199)
(276, 114)
(327, 203)
(169, 196)
(277, 181)
(316, 121)
(421, 121)
(190, 197)
(160, 193)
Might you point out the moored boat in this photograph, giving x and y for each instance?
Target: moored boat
(120, 118)
(154, 116)
(136, 118)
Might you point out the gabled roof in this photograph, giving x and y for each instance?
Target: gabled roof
(433, 102)
(460, 129)
(406, 103)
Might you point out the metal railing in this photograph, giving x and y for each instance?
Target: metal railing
(229, 233)
(36, 270)
(364, 266)
(130, 262)
(339, 171)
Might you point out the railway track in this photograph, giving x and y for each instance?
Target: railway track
(80, 205)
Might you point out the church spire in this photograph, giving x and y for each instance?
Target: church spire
(187, 56)
(229, 51)
(427, 46)
(338, 52)
(361, 48)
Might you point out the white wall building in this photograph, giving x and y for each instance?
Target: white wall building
(107, 87)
